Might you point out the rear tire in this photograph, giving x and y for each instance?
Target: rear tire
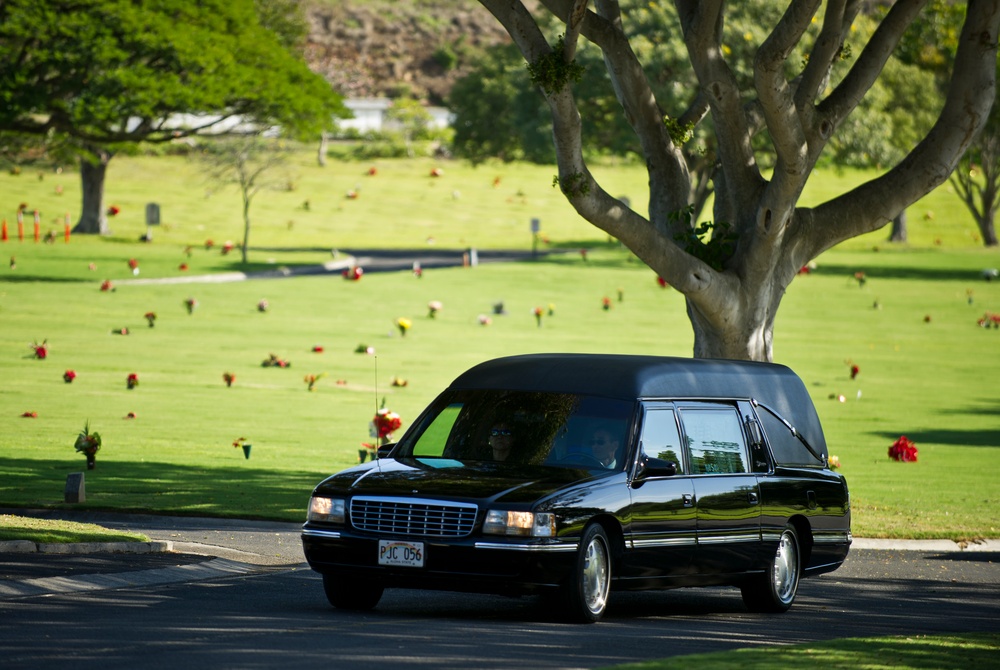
(774, 591)
(351, 595)
(585, 596)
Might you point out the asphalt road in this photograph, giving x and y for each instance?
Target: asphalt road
(237, 594)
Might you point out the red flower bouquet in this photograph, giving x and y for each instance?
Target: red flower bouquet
(69, 376)
(903, 450)
(132, 380)
(384, 424)
(229, 378)
(41, 350)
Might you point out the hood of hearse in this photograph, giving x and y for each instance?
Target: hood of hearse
(439, 477)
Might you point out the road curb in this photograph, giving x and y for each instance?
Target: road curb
(29, 547)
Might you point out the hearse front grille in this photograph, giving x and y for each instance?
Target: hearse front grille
(405, 516)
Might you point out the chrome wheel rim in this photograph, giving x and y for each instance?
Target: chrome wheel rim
(786, 568)
(595, 576)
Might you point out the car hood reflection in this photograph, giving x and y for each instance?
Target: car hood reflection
(471, 480)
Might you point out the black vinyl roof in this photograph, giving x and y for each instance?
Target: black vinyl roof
(630, 377)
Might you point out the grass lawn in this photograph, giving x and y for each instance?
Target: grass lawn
(901, 653)
(926, 368)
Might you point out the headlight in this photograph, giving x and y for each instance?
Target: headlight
(330, 510)
(524, 524)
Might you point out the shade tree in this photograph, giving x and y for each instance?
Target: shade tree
(734, 271)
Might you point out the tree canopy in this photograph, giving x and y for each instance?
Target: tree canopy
(107, 72)
(809, 74)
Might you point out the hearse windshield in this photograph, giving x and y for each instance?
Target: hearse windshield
(523, 428)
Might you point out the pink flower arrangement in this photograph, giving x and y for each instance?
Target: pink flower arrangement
(69, 376)
(106, 285)
(227, 247)
(353, 273)
(262, 305)
(903, 449)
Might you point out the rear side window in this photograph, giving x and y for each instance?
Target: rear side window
(715, 440)
(786, 448)
(660, 438)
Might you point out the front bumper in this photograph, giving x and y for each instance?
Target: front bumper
(494, 565)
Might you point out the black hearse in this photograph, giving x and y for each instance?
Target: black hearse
(578, 474)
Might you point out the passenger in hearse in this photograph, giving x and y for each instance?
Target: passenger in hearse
(605, 447)
(501, 441)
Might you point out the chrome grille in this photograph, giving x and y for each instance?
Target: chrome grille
(406, 516)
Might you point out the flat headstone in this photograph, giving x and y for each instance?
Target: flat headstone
(75, 488)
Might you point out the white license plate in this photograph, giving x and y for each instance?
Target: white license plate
(401, 552)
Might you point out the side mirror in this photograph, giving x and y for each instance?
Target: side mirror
(655, 467)
(385, 449)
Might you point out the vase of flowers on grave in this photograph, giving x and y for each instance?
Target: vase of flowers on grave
(89, 443)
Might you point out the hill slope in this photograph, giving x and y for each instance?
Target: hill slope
(371, 48)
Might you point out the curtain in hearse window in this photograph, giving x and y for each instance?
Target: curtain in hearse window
(715, 440)
(786, 448)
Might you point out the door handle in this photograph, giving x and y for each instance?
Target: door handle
(752, 498)
(688, 500)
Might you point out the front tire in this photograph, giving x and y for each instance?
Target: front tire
(774, 591)
(586, 593)
(351, 595)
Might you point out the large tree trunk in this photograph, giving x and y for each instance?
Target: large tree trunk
(93, 218)
(898, 233)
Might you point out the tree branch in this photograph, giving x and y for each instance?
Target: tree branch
(971, 95)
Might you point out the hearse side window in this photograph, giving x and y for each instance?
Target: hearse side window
(434, 438)
(786, 448)
(715, 440)
(660, 438)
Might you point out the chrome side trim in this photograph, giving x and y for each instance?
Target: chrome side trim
(832, 538)
(543, 548)
(728, 539)
(329, 534)
(663, 542)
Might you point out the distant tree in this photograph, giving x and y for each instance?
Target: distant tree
(252, 163)
(498, 113)
(106, 73)
(931, 45)
(977, 179)
(733, 272)
(411, 117)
